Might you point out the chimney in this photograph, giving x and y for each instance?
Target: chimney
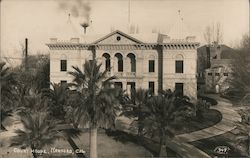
(85, 25)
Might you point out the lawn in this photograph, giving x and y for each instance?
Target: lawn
(210, 118)
(107, 146)
(227, 139)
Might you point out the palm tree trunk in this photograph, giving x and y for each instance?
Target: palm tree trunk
(162, 149)
(74, 147)
(93, 142)
(33, 151)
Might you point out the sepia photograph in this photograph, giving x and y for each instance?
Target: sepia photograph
(125, 78)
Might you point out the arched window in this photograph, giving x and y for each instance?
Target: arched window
(106, 57)
(132, 60)
(119, 62)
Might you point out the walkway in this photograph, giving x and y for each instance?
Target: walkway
(180, 144)
(229, 118)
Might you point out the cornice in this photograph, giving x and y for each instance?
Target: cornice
(146, 46)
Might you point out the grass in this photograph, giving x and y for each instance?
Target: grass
(227, 139)
(149, 144)
(107, 147)
(210, 118)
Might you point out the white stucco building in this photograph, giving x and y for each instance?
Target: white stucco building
(153, 61)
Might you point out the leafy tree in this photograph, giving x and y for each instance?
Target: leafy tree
(36, 77)
(240, 80)
(99, 107)
(242, 138)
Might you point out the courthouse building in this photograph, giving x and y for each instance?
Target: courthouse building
(153, 61)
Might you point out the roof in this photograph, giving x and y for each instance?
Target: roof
(121, 33)
(226, 51)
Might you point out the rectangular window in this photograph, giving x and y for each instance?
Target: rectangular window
(151, 87)
(179, 66)
(217, 74)
(118, 85)
(63, 65)
(179, 89)
(63, 82)
(209, 74)
(225, 74)
(151, 66)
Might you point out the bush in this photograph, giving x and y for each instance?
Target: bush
(209, 100)
(202, 107)
(233, 94)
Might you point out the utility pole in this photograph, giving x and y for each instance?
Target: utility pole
(0, 74)
(26, 54)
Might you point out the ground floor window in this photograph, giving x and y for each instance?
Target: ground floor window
(179, 89)
(63, 82)
(118, 85)
(131, 90)
(151, 87)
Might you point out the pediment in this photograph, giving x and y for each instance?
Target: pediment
(117, 37)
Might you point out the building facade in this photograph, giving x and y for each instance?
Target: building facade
(157, 64)
(214, 67)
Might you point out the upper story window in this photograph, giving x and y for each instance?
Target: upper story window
(217, 74)
(106, 57)
(132, 62)
(63, 65)
(179, 66)
(119, 62)
(210, 74)
(225, 74)
(151, 66)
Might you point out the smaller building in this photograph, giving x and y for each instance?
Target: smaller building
(214, 67)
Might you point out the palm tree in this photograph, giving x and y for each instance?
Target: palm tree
(61, 103)
(38, 131)
(163, 111)
(136, 108)
(99, 107)
(7, 86)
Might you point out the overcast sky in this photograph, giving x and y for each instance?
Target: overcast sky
(40, 20)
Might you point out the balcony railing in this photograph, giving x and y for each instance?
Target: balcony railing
(125, 74)
(130, 74)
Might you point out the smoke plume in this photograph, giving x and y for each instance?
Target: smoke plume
(77, 8)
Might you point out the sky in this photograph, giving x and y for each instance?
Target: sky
(39, 20)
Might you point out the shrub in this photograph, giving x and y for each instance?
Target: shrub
(202, 106)
(208, 99)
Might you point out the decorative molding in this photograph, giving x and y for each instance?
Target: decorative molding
(148, 46)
